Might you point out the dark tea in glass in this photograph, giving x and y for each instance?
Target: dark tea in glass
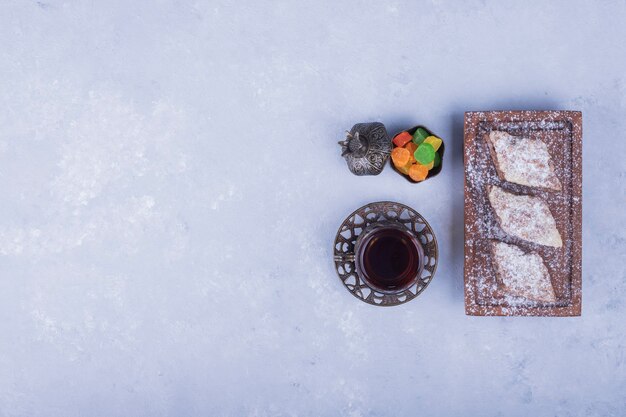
(389, 257)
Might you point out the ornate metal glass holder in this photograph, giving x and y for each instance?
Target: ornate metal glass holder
(356, 223)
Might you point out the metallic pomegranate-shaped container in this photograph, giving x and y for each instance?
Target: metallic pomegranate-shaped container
(366, 148)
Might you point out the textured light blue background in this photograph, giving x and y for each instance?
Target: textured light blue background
(171, 186)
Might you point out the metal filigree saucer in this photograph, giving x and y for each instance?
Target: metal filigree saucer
(354, 225)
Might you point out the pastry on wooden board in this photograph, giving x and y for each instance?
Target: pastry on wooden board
(522, 160)
(525, 216)
(542, 194)
(521, 274)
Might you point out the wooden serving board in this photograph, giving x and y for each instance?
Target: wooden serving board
(561, 131)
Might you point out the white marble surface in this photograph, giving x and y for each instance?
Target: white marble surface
(171, 186)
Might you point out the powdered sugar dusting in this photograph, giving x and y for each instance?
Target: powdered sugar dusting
(522, 160)
(524, 216)
(522, 274)
(561, 132)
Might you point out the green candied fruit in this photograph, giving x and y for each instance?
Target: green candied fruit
(437, 160)
(419, 135)
(425, 153)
